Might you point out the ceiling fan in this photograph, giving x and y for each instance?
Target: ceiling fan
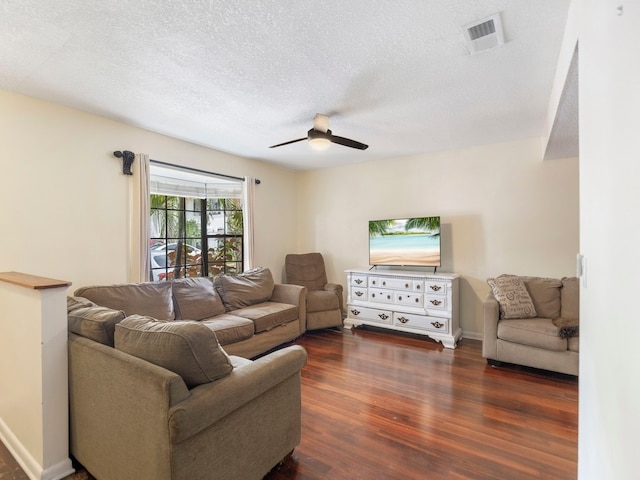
(320, 137)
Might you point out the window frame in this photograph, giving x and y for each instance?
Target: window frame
(178, 195)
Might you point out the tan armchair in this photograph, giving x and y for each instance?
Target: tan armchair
(324, 299)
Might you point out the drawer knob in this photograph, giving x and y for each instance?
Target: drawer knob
(435, 288)
(358, 281)
(418, 287)
(403, 319)
(399, 298)
(406, 285)
(435, 302)
(355, 312)
(358, 294)
(383, 316)
(437, 324)
(417, 300)
(384, 283)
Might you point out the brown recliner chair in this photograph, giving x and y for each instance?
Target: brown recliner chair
(324, 299)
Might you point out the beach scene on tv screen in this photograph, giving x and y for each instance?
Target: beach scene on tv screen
(407, 241)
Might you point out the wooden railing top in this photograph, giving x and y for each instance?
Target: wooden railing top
(32, 281)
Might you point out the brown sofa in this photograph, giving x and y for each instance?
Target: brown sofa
(153, 395)
(249, 313)
(532, 321)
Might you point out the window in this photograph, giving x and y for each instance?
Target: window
(196, 225)
(224, 236)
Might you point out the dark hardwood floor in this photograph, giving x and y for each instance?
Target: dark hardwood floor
(381, 405)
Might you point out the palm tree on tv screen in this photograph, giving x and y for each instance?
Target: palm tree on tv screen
(428, 223)
(379, 227)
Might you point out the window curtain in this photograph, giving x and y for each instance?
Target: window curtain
(139, 266)
(248, 199)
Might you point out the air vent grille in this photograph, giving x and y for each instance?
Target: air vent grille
(484, 34)
(482, 30)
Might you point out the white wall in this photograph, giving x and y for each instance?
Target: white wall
(33, 386)
(503, 210)
(610, 240)
(65, 200)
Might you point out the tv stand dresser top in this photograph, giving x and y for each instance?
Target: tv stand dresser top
(424, 303)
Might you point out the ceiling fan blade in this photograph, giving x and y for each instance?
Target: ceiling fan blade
(347, 142)
(287, 143)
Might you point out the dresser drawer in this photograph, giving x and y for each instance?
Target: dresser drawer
(395, 283)
(433, 286)
(409, 299)
(436, 302)
(422, 322)
(371, 314)
(358, 294)
(359, 280)
(380, 296)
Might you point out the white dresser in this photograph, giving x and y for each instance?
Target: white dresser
(407, 301)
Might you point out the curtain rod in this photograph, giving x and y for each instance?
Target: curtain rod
(158, 162)
(128, 156)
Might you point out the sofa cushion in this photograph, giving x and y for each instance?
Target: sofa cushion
(151, 298)
(185, 347)
(96, 323)
(545, 295)
(321, 301)
(535, 332)
(573, 344)
(244, 289)
(195, 299)
(73, 303)
(513, 298)
(267, 315)
(230, 328)
(570, 298)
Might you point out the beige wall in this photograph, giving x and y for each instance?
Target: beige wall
(503, 210)
(65, 200)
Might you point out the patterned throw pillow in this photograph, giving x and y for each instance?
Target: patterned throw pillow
(512, 296)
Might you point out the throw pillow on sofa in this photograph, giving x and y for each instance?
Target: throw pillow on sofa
(188, 348)
(570, 297)
(513, 298)
(246, 288)
(195, 298)
(545, 294)
(95, 322)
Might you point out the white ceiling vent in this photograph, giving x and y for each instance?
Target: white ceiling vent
(484, 34)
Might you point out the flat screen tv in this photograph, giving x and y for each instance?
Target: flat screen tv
(405, 242)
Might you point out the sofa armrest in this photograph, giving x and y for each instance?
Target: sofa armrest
(210, 402)
(118, 410)
(337, 289)
(293, 295)
(491, 315)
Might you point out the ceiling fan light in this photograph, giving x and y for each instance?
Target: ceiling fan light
(319, 143)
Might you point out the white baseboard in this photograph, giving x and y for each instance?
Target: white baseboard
(472, 335)
(29, 464)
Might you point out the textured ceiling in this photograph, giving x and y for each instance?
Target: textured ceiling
(238, 76)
